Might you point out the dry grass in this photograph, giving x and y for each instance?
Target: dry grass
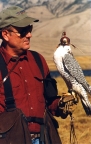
(82, 122)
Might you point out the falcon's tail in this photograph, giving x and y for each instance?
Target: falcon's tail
(87, 107)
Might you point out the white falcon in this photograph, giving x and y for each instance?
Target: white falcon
(71, 72)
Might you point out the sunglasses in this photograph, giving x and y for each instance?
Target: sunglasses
(21, 32)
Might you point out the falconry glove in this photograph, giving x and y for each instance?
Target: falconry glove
(68, 102)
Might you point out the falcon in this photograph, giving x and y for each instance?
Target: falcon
(71, 72)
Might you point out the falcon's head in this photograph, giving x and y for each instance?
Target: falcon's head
(64, 40)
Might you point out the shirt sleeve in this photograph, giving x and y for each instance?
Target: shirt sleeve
(53, 106)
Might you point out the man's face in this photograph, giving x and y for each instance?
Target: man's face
(19, 39)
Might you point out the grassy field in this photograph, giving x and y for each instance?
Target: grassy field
(82, 122)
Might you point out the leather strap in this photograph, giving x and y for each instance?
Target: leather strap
(38, 61)
(35, 119)
(9, 100)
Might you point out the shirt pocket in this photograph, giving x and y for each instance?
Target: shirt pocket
(40, 91)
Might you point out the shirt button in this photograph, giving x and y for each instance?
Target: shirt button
(31, 107)
(20, 67)
(25, 80)
(29, 94)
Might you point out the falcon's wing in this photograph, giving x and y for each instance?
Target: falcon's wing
(74, 69)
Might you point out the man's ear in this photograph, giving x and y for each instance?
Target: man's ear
(5, 35)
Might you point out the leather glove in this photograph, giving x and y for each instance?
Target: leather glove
(67, 103)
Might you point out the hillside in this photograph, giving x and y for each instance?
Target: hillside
(55, 16)
(47, 32)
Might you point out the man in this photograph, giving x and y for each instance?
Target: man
(28, 92)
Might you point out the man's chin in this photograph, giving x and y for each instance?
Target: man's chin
(26, 48)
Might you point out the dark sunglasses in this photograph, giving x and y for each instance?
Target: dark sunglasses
(23, 31)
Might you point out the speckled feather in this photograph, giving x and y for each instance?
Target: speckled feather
(74, 69)
(72, 74)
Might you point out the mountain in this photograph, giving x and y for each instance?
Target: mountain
(56, 16)
(56, 7)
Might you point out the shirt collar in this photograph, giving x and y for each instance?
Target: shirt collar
(7, 57)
